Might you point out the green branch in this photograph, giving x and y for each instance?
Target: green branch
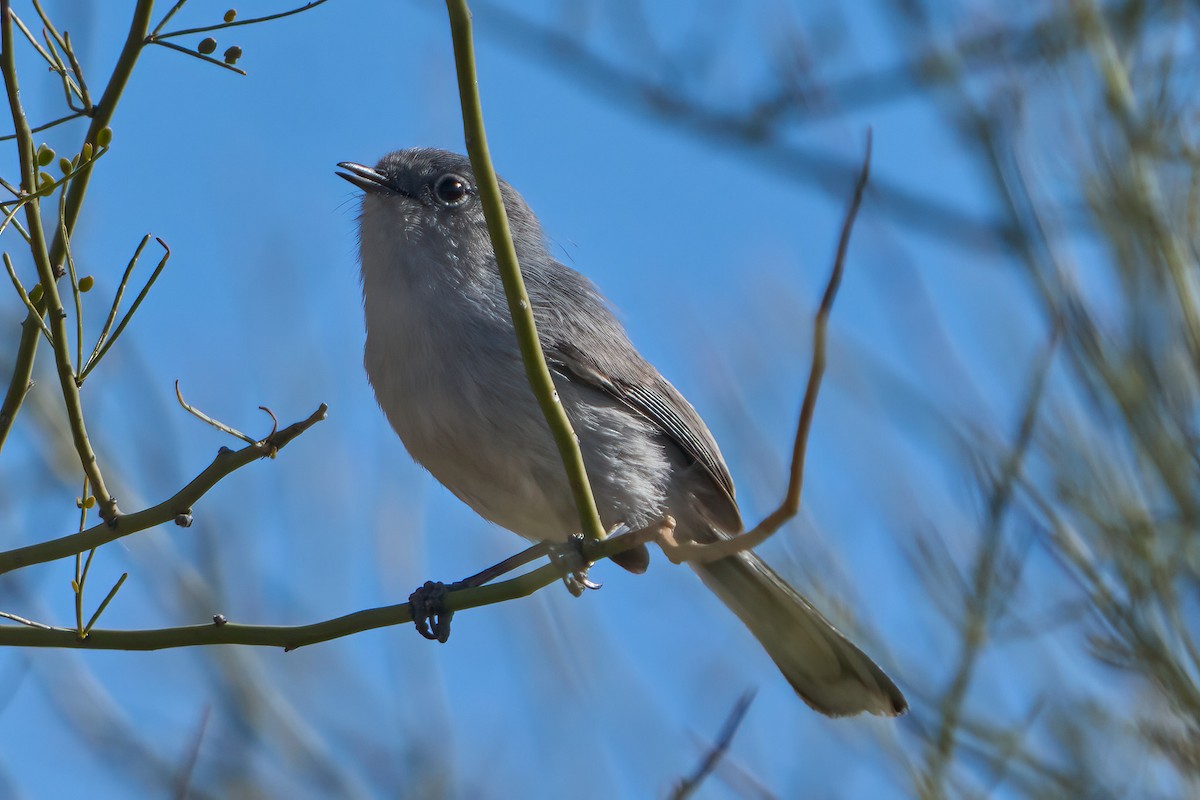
(519, 306)
(34, 634)
(48, 273)
(979, 597)
(102, 115)
(103, 112)
(226, 462)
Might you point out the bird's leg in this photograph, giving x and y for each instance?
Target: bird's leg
(569, 558)
(427, 604)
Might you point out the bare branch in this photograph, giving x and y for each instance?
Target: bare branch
(220, 26)
(181, 502)
(677, 551)
(688, 786)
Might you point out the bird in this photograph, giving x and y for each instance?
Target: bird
(442, 357)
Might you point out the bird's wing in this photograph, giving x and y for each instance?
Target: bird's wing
(639, 387)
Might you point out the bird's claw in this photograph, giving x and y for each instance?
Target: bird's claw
(577, 582)
(568, 556)
(426, 605)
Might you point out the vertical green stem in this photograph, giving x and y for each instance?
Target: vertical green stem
(102, 115)
(135, 41)
(47, 274)
(510, 271)
(79, 571)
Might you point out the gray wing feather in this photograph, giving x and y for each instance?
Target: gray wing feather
(658, 401)
(582, 340)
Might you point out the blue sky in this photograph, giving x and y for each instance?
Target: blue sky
(714, 262)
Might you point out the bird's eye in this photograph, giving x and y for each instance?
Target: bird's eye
(452, 190)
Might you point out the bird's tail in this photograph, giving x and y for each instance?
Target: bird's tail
(823, 666)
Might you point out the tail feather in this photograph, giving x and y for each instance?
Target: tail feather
(824, 667)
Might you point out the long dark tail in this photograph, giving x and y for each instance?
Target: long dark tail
(823, 666)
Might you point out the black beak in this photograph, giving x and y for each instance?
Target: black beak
(368, 179)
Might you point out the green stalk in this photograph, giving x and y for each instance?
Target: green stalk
(519, 306)
(102, 116)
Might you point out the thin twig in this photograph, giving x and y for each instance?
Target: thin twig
(48, 25)
(83, 576)
(29, 305)
(33, 41)
(70, 89)
(221, 426)
(193, 754)
(116, 305)
(104, 603)
(73, 275)
(28, 622)
(194, 54)
(16, 223)
(529, 554)
(226, 462)
(84, 96)
(696, 552)
(11, 216)
(47, 125)
(689, 785)
(80, 572)
(730, 129)
(167, 17)
(92, 362)
(47, 189)
(220, 26)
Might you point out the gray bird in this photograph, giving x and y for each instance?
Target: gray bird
(442, 356)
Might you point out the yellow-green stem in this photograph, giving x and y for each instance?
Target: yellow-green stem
(519, 306)
(47, 275)
(102, 114)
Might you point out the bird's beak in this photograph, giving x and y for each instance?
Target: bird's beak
(368, 179)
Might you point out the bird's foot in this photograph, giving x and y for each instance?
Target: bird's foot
(427, 607)
(568, 556)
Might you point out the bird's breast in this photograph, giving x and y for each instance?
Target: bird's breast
(454, 390)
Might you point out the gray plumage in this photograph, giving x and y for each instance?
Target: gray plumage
(443, 359)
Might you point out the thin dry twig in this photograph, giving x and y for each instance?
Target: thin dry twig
(689, 785)
(221, 426)
(220, 26)
(27, 622)
(33, 312)
(190, 52)
(104, 604)
(678, 551)
(184, 778)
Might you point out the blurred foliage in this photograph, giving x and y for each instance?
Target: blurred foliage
(1064, 606)
(1080, 118)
